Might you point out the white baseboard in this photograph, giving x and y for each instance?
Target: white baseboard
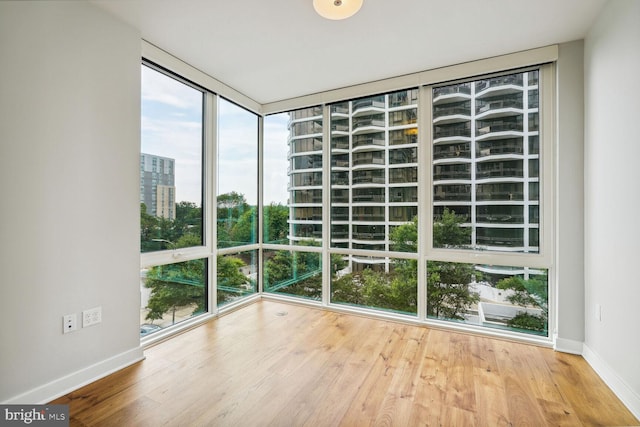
(61, 386)
(625, 393)
(568, 346)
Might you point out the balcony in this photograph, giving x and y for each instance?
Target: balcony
(339, 109)
(499, 147)
(367, 217)
(377, 102)
(360, 142)
(463, 131)
(368, 161)
(368, 180)
(515, 172)
(368, 236)
(499, 195)
(339, 143)
(368, 198)
(464, 88)
(500, 218)
(339, 127)
(407, 195)
(451, 151)
(510, 80)
(339, 163)
(509, 242)
(496, 127)
(452, 174)
(459, 110)
(483, 107)
(368, 122)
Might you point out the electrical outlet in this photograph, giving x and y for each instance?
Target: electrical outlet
(69, 323)
(91, 317)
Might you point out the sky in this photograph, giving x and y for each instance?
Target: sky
(172, 127)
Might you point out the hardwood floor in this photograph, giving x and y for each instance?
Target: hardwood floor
(310, 367)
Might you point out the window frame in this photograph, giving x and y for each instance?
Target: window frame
(543, 58)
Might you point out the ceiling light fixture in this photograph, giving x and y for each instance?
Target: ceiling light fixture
(337, 9)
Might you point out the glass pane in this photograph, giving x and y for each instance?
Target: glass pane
(172, 293)
(236, 276)
(170, 163)
(237, 175)
(374, 174)
(293, 273)
(381, 283)
(293, 177)
(510, 298)
(486, 164)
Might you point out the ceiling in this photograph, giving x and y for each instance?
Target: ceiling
(272, 50)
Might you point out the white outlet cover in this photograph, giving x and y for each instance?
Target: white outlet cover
(91, 317)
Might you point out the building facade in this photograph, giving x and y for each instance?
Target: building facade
(157, 185)
(485, 166)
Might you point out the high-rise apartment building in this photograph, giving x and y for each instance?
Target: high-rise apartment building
(485, 166)
(157, 185)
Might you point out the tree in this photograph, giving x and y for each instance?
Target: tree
(188, 219)
(230, 207)
(448, 293)
(230, 279)
(276, 223)
(278, 268)
(448, 232)
(148, 227)
(404, 238)
(531, 292)
(174, 286)
(155, 232)
(245, 229)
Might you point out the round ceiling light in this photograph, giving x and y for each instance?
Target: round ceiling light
(337, 9)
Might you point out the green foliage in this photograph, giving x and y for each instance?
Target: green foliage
(245, 228)
(404, 237)
(528, 321)
(301, 269)
(531, 292)
(279, 268)
(228, 271)
(348, 289)
(174, 286)
(448, 232)
(231, 206)
(276, 227)
(155, 232)
(232, 283)
(448, 294)
(396, 290)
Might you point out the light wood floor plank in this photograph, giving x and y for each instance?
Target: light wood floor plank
(277, 364)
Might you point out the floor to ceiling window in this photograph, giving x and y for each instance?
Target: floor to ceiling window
(485, 198)
(482, 175)
(236, 203)
(374, 195)
(173, 286)
(293, 213)
(430, 204)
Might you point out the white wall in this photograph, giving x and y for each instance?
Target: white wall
(612, 197)
(569, 222)
(69, 135)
